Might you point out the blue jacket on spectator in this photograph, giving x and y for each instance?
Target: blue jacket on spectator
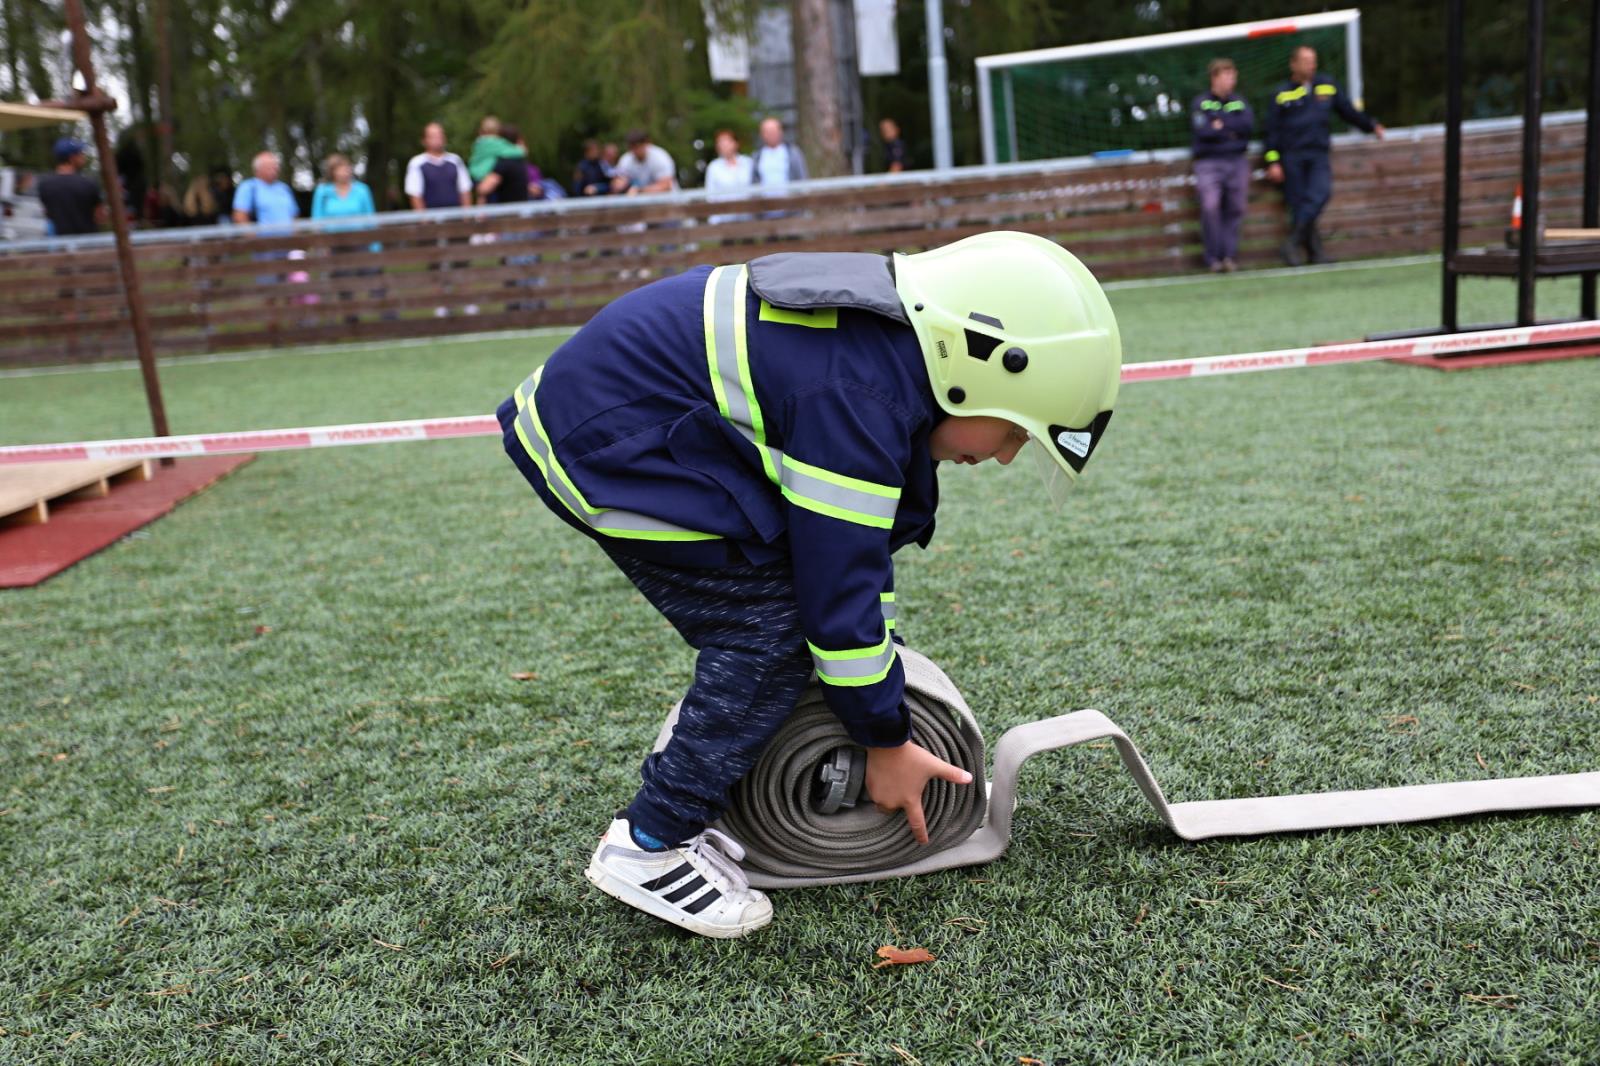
(1232, 138)
(694, 424)
(1299, 117)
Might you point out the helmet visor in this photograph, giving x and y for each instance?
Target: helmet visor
(1061, 456)
(1055, 480)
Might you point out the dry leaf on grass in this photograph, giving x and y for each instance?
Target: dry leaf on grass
(893, 956)
(524, 675)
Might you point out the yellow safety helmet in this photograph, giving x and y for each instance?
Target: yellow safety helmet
(1012, 325)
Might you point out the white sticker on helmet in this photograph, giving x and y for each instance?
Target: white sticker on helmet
(1075, 442)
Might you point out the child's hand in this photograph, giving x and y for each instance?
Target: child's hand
(897, 776)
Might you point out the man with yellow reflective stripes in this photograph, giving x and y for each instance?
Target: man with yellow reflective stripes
(750, 445)
(1297, 142)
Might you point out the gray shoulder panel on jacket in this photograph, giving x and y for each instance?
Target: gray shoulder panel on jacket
(802, 281)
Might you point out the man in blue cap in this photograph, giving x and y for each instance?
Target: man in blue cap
(71, 200)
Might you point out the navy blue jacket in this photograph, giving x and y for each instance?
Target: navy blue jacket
(630, 435)
(1299, 116)
(1232, 138)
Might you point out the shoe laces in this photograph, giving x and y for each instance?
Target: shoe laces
(722, 853)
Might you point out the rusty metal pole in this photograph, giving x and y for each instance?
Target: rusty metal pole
(97, 104)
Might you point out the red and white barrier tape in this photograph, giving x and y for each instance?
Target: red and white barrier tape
(1362, 351)
(267, 440)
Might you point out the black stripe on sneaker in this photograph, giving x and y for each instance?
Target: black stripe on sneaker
(701, 902)
(667, 878)
(686, 888)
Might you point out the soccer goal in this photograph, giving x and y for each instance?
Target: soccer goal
(1114, 97)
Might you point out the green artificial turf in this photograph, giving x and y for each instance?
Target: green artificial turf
(269, 792)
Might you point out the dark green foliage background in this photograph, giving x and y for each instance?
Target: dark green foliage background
(363, 76)
(206, 829)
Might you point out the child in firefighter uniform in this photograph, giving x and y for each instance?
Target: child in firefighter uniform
(750, 445)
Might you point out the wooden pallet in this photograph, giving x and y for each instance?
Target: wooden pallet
(28, 489)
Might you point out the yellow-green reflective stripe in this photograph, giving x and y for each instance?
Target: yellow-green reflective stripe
(728, 358)
(820, 318)
(626, 525)
(854, 667)
(1234, 105)
(886, 602)
(1291, 94)
(1327, 90)
(1272, 156)
(713, 283)
(839, 496)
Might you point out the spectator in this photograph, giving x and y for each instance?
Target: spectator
(490, 148)
(71, 200)
(508, 180)
(1221, 124)
(435, 177)
(130, 171)
(1297, 144)
(222, 191)
(894, 147)
(593, 176)
(646, 168)
(263, 198)
(732, 170)
(340, 195)
(610, 156)
(199, 203)
(777, 162)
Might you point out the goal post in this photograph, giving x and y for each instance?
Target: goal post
(1132, 94)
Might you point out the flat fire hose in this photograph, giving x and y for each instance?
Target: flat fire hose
(793, 816)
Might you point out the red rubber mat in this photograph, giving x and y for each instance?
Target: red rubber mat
(79, 528)
(1506, 358)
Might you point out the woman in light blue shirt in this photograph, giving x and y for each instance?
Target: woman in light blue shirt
(341, 196)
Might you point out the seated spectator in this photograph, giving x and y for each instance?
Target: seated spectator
(647, 167)
(894, 146)
(593, 175)
(264, 199)
(490, 148)
(435, 177)
(777, 162)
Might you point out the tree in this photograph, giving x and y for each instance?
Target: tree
(816, 77)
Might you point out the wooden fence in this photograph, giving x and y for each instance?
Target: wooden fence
(555, 264)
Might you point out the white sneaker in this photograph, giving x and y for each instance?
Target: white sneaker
(697, 885)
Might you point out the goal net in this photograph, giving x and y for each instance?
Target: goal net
(1133, 94)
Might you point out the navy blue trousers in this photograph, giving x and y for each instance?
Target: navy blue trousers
(753, 666)
(1307, 184)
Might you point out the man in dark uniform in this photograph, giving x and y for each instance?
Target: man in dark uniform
(1297, 148)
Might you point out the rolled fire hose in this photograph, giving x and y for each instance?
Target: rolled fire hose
(793, 811)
